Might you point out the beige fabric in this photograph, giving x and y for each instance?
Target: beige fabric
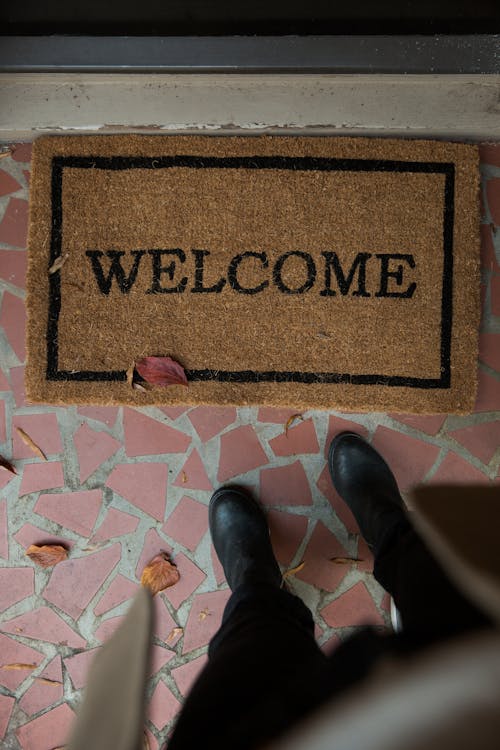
(112, 714)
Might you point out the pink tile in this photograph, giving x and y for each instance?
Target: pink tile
(78, 667)
(455, 470)
(29, 534)
(217, 567)
(5, 477)
(4, 383)
(488, 256)
(164, 626)
(493, 198)
(75, 582)
(120, 590)
(285, 485)
(428, 424)
(190, 578)
(489, 153)
(355, 607)
(174, 412)
(337, 425)
(287, 533)
(186, 674)
(3, 431)
(482, 440)
(77, 511)
(18, 390)
(159, 656)
(107, 628)
(42, 476)
(6, 706)
(488, 393)
(163, 706)
(331, 645)
(145, 436)
(15, 585)
(7, 183)
(187, 523)
(208, 421)
(13, 267)
(495, 295)
(93, 448)
(13, 321)
(21, 151)
(14, 225)
(143, 485)
(193, 475)
(4, 538)
(44, 625)
(153, 545)
(275, 416)
(489, 350)
(342, 511)
(204, 619)
(12, 652)
(105, 414)
(48, 731)
(318, 570)
(408, 458)
(240, 451)
(27, 176)
(116, 523)
(152, 741)
(44, 694)
(43, 429)
(300, 438)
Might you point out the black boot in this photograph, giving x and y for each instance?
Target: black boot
(365, 482)
(240, 535)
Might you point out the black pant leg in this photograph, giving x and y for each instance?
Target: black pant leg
(430, 605)
(265, 670)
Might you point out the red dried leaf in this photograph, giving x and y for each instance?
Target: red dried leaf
(4, 464)
(47, 555)
(159, 574)
(161, 371)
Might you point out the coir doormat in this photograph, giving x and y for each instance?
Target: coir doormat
(305, 271)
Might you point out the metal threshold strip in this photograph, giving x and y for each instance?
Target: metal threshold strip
(445, 54)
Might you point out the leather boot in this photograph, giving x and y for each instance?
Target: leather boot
(364, 481)
(240, 535)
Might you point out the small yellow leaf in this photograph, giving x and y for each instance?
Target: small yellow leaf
(58, 263)
(46, 681)
(345, 560)
(130, 375)
(160, 573)
(204, 614)
(47, 555)
(31, 443)
(19, 665)
(293, 571)
(291, 420)
(174, 633)
(184, 477)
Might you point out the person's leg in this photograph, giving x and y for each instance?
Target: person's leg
(430, 606)
(265, 668)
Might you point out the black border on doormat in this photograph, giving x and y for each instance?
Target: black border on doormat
(254, 162)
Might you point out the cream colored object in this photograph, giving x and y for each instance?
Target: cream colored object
(112, 714)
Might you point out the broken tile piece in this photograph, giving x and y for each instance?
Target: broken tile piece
(482, 440)
(319, 570)
(4, 539)
(42, 694)
(187, 673)
(75, 582)
(29, 534)
(120, 590)
(48, 731)
(78, 667)
(77, 511)
(13, 652)
(13, 267)
(15, 585)
(143, 485)
(14, 225)
(145, 436)
(13, 321)
(190, 578)
(6, 706)
(299, 438)
(193, 475)
(188, 523)
(105, 414)
(41, 476)
(209, 421)
(44, 625)
(354, 607)
(240, 451)
(163, 706)
(409, 458)
(287, 532)
(285, 485)
(205, 617)
(43, 429)
(93, 449)
(116, 523)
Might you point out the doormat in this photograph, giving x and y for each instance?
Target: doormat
(312, 272)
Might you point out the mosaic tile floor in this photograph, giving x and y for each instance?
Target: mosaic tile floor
(121, 484)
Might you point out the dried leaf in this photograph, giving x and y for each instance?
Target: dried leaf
(145, 742)
(58, 263)
(19, 665)
(4, 464)
(46, 681)
(3, 154)
(47, 555)
(184, 477)
(161, 371)
(204, 614)
(130, 375)
(293, 418)
(174, 633)
(159, 574)
(139, 387)
(31, 443)
(293, 571)
(345, 560)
